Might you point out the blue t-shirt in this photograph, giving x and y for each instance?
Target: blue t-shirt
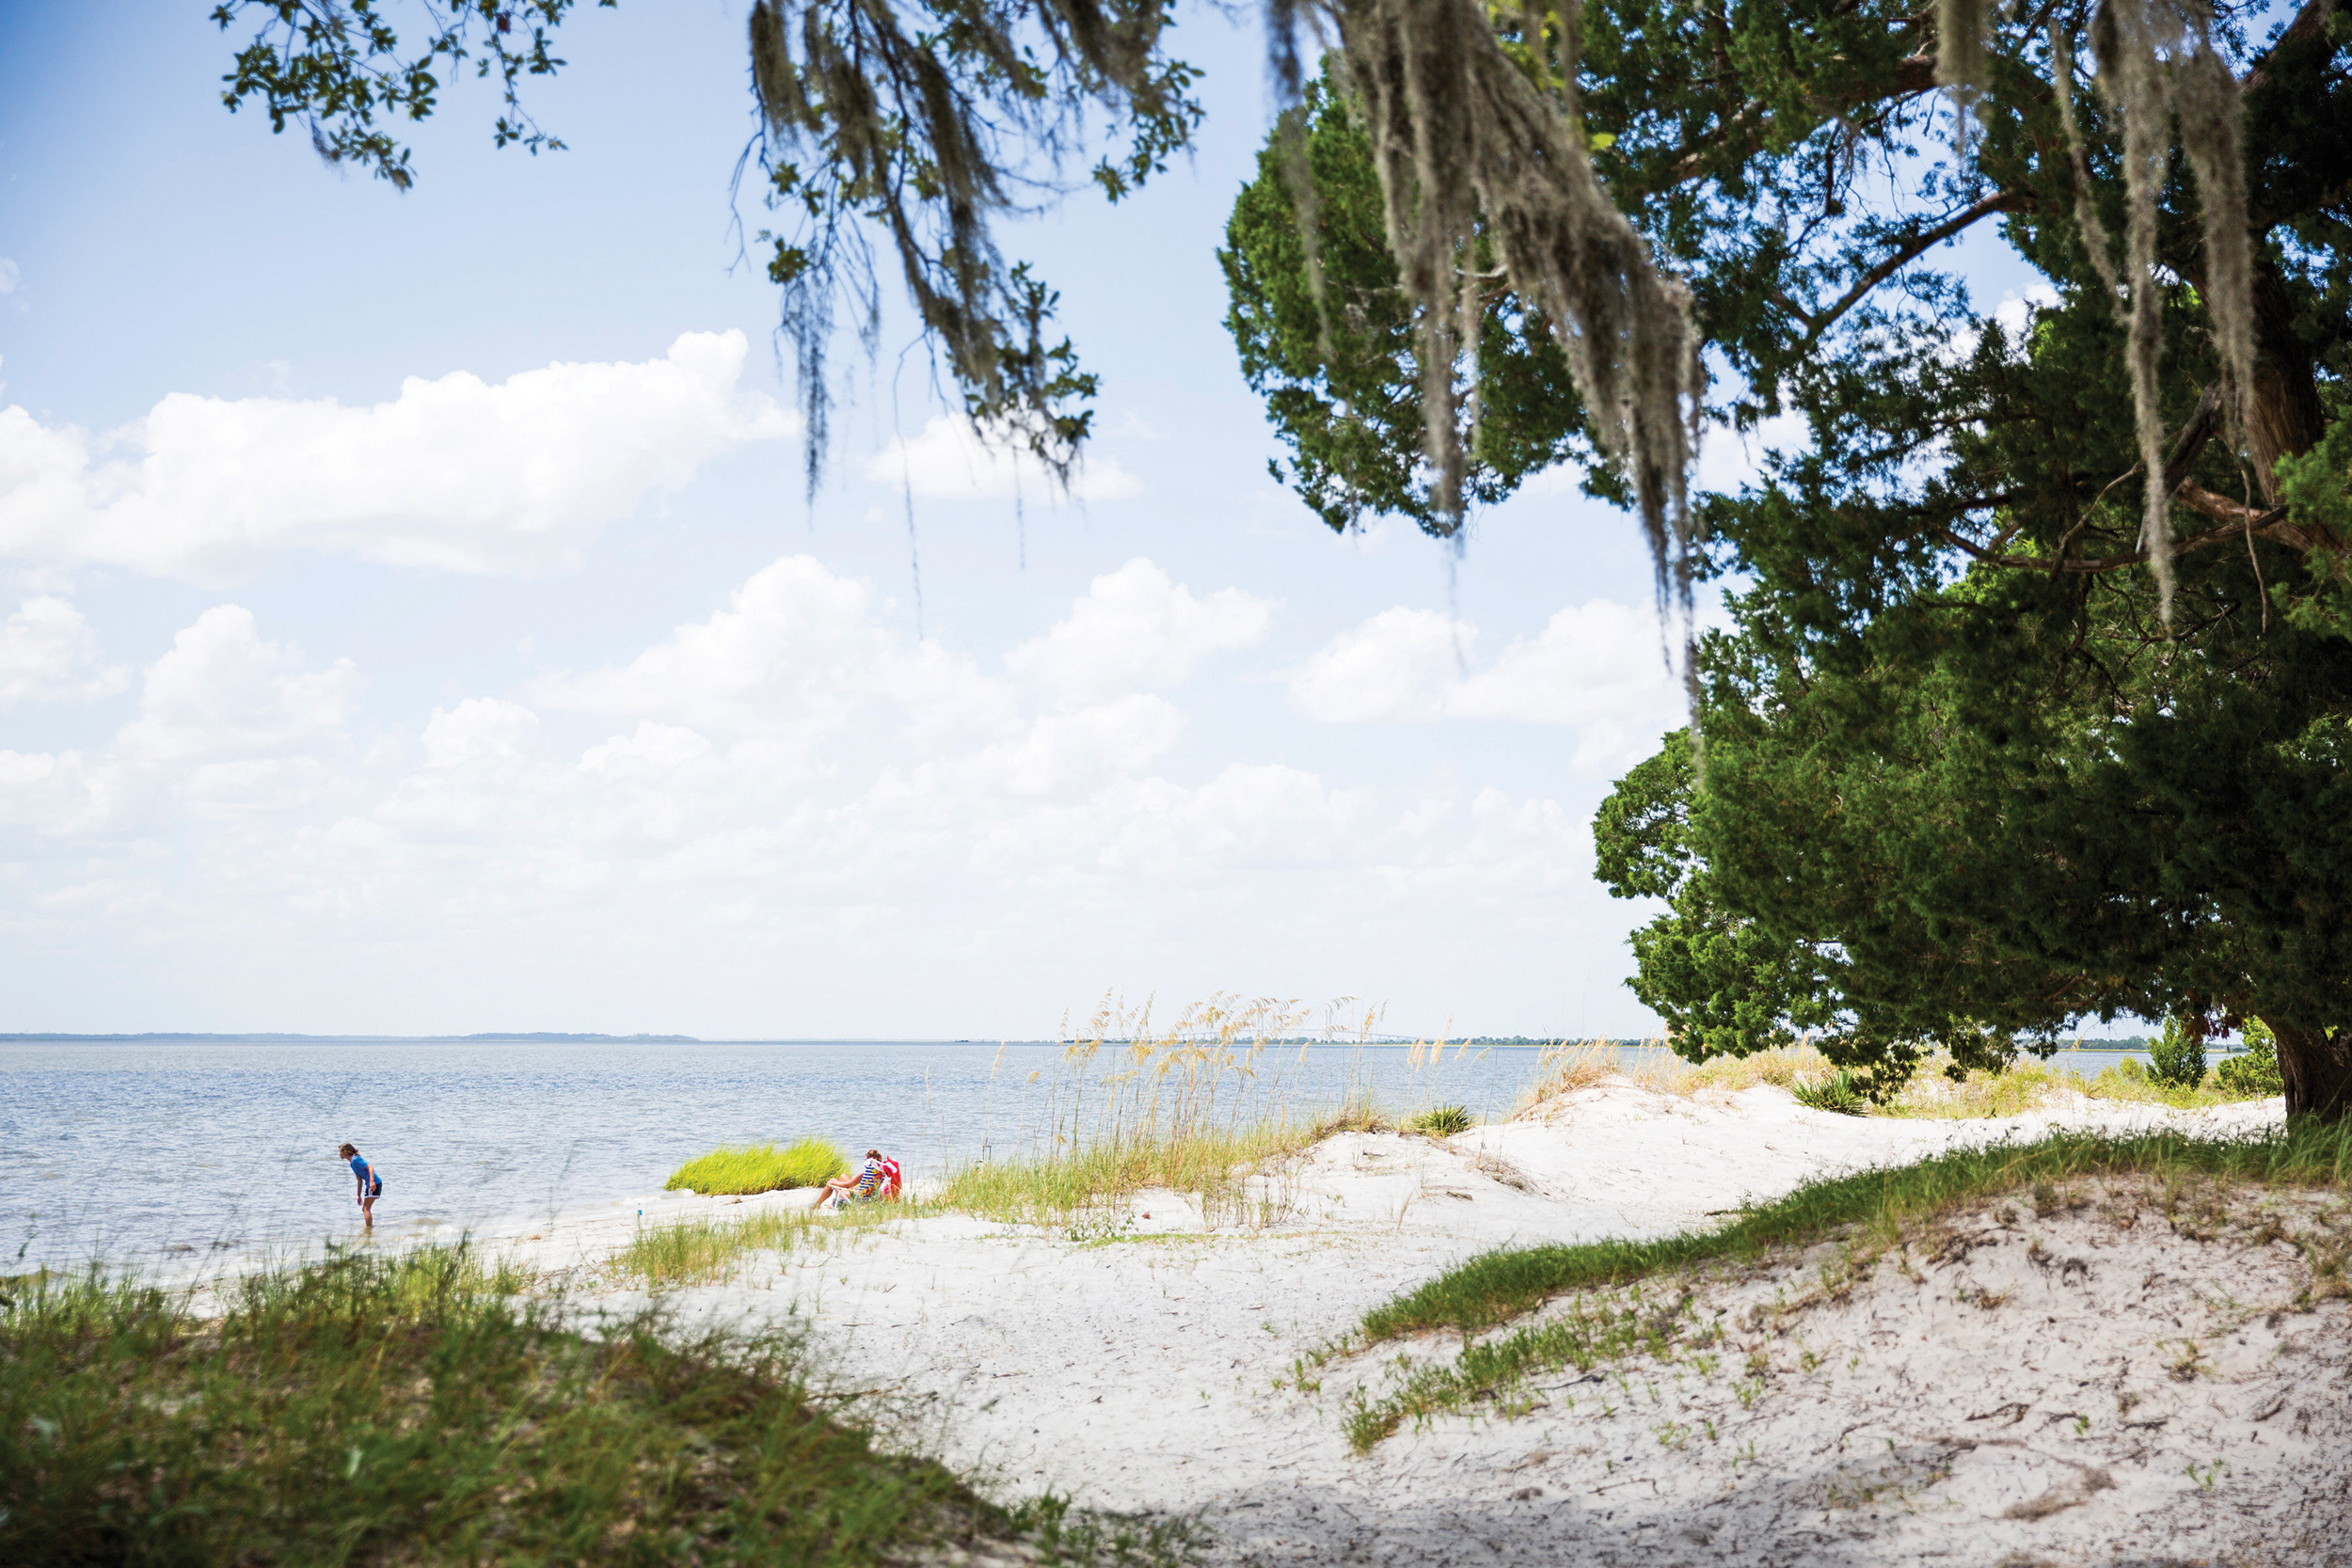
(359, 1166)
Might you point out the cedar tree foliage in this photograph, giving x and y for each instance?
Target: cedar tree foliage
(2003, 735)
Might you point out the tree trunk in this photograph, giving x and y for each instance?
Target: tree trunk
(2317, 1069)
(2285, 416)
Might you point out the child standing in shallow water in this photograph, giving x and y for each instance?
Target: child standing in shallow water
(371, 1184)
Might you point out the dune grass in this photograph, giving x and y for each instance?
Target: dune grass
(1500, 1284)
(1211, 1165)
(1199, 1106)
(706, 1251)
(1571, 1065)
(1620, 1307)
(2028, 1083)
(413, 1408)
(759, 1169)
(710, 1250)
(1442, 1121)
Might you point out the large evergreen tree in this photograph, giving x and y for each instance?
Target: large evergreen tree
(1970, 767)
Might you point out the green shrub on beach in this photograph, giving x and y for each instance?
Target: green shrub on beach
(2253, 1073)
(409, 1409)
(759, 1169)
(1840, 1093)
(2178, 1057)
(1443, 1121)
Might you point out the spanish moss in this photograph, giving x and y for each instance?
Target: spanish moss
(1466, 147)
(2159, 70)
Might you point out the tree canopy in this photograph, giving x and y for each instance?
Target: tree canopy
(1970, 769)
(1334, 353)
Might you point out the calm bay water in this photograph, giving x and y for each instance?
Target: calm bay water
(150, 1153)
(147, 1151)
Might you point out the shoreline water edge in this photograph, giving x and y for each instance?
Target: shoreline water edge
(469, 1137)
(2107, 1363)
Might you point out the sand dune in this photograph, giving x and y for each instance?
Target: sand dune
(2093, 1384)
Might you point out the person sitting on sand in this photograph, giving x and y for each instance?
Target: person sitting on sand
(861, 1182)
(371, 1184)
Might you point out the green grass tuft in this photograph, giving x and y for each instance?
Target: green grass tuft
(760, 1168)
(1078, 1186)
(1839, 1092)
(706, 1251)
(1443, 1121)
(1495, 1286)
(709, 1250)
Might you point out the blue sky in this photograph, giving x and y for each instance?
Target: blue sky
(413, 621)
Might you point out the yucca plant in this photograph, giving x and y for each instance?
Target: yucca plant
(1840, 1092)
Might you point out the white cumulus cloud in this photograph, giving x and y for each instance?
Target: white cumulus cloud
(48, 653)
(224, 694)
(1599, 668)
(796, 650)
(790, 811)
(456, 474)
(1138, 629)
(950, 461)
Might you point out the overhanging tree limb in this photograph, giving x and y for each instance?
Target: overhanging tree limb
(1910, 248)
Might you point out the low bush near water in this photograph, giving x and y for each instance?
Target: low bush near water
(414, 1409)
(759, 1169)
(2255, 1072)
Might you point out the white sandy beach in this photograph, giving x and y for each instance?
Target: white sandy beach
(2093, 1384)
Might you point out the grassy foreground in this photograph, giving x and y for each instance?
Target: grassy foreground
(419, 1409)
(759, 1169)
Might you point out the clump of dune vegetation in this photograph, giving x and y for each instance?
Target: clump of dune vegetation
(1442, 1121)
(1199, 1106)
(422, 1408)
(759, 1169)
(710, 1250)
(1939, 1088)
(1626, 1298)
